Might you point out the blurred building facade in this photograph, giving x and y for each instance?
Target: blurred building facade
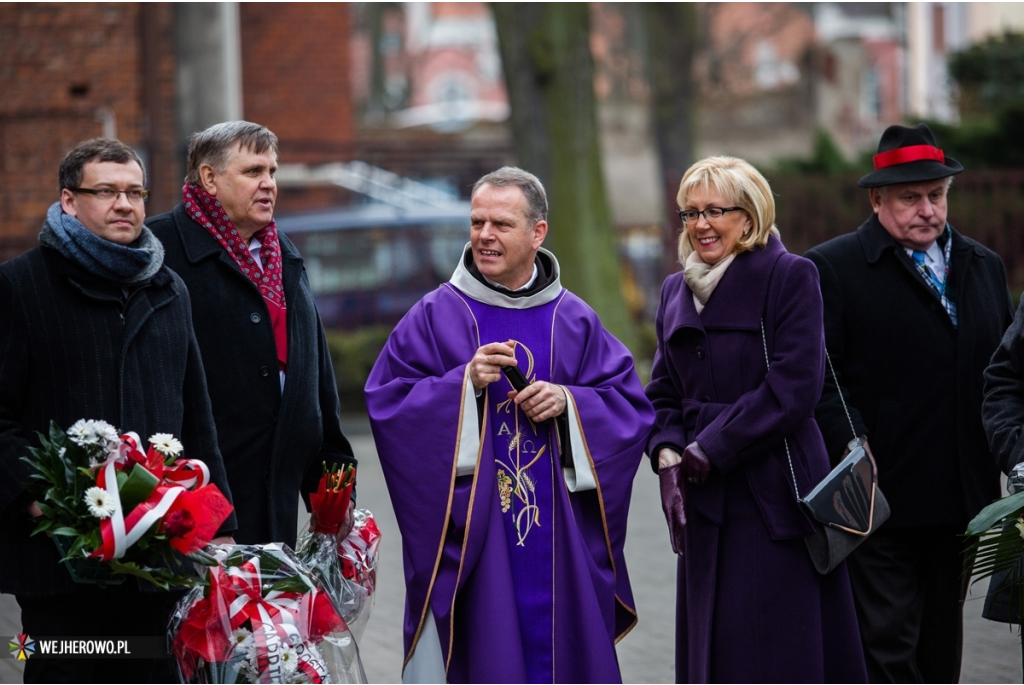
(934, 30)
(417, 88)
(152, 73)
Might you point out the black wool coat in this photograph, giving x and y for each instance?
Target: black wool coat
(1003, 415)
(274, 443)
(76, 347)
(1003, 408)
(912, 382)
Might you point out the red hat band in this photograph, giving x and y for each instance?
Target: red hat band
(911, 153)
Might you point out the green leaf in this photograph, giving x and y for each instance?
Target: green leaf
(997, 552)
(136, 486)
(994, 513)
(202, 558)
(42, 527)
(291, 584)
(161, 577)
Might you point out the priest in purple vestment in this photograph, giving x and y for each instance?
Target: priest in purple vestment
(512, 505)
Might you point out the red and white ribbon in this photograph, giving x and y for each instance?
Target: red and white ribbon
(188, 473)
(118, 532)
(121, 531)
(251, 604)
(275, 619)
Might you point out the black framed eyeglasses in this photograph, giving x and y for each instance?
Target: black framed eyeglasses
(709, 213)
(134, 195)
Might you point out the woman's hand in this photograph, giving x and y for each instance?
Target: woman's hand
(668, 457)
(696, 464)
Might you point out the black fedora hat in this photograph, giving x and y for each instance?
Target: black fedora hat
(909, 155)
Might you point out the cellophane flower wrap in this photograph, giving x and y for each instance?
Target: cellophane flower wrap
(262, 617)
(105, 499)
(347, 568)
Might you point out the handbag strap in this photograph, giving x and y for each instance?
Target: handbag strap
(789, 457)
(838, 389)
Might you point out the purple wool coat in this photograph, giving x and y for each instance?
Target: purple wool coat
(750, 606)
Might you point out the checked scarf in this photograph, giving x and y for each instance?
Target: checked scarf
(206, 211)
(939, 286)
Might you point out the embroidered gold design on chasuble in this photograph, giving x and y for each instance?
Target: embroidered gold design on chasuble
(516, 487)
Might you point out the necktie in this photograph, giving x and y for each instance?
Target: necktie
(934, 280)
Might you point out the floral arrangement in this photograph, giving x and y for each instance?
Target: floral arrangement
(347, 568)
(329, 504)
(262, 616)
(104, 499)
(998, 545)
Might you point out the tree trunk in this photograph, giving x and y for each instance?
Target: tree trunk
(549, 73)
(671, 32)
(374, 17)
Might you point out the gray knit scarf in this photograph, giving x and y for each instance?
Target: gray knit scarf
(101, 258)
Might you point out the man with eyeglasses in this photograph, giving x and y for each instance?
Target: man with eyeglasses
(913, 312)
(93, 325)
(268, 367)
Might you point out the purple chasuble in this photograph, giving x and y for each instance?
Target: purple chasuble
(526, 478)
(480, 607)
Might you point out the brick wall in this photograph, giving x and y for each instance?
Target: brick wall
(159, 102)
(295, 66)
(64, 67)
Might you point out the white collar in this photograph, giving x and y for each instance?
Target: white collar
(529, 283)
(466, 283)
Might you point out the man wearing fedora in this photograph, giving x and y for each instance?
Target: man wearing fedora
(913, 313)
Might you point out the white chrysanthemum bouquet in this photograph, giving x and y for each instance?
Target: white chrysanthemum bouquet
(114, 510)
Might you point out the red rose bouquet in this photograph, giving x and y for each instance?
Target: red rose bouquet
(347, 567)
(114, 509)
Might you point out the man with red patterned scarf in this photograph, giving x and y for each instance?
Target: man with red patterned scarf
(271, 382)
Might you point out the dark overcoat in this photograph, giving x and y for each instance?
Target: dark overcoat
(912, 382)
(750, 607)
(273, 442)
(75, 347)
(1002, 413)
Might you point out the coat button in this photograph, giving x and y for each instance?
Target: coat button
(264, 371)
(254, 317)
(700, 352)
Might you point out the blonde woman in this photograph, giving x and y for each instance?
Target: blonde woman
(738, 371)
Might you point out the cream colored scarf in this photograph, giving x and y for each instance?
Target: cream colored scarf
(703, 278)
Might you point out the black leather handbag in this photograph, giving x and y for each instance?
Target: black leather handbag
(847, 505)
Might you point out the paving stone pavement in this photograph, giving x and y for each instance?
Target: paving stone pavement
(991, 650)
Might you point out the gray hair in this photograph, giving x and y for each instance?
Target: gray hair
(533, 190)
(213, 145)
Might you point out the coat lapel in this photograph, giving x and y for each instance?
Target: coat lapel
(962, 256)
(739, 300)
(680, 312)
(876, 241)
(291, 270)
(200, 245)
